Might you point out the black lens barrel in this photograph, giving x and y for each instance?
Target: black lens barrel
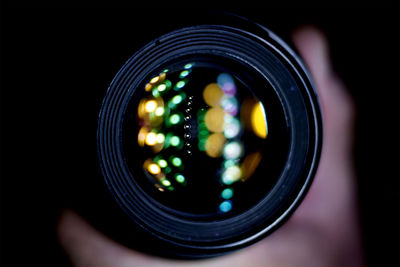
(272, 61)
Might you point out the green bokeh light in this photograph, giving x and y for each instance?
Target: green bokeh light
(165, 182)
(155, 92)
(174, 141)
(159, 111)
(160, 138)
(177, 99)
(168, 84)
(162, 87)
(184, 74)
(202, 144)
(228, 163)
(227, 193)
(188, 66)
(175, 119)
(179, 85)
(176, 161)
(162, 163)
(179, 178)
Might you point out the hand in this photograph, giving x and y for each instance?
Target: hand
(324, 230)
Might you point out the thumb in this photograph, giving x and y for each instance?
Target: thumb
(331, 202)
(336, 103)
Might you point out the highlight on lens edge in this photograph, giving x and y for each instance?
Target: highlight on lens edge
(167, 122)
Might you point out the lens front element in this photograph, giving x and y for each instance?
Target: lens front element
(202, 134)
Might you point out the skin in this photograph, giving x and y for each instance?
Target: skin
(324, 230)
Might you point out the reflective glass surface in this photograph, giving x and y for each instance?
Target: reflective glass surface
(200, 142)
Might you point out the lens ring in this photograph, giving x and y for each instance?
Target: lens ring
(292, 86)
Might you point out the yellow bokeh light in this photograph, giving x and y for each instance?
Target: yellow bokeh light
(141, 109)
(250, 164)
(150, 105)
(214, 119)
(159, 188)
(154, 168)
(148, 87)
(142, 135)
(231, 175)
(151, 139)
(213, 94)
(214, 144)
(155, 80)
(258, 121)
(162, 76)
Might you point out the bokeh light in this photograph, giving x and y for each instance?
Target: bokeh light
(188, 66)
(213, 94)
(153, 168)
(159, 111)
(180, 178)
(148, 87)
(233, 150)
(227, 193)
(177, 99)
(174, 119)
(226, 82)
(214, 119)
(230, 105)
(179, 85)
(165, 182)
(232, 127)
(225, 206)
(214, 144)
(231, 175)
(162, 87)
(150, 105)
(177, 162)
(162, 163)
(142, 135)
(184, 74)
(174, 141)
(250, 163)
(259, 121)
(155, 80)
(213, 125)
(151, 139)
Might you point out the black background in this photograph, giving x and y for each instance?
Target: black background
(56, 67)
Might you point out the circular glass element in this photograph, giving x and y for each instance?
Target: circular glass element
(201, 143)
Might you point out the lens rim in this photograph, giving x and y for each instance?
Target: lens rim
(281, 68)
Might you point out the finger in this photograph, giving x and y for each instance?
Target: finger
(331, 203)
(85, 246)
(336, 104)
(334, 171)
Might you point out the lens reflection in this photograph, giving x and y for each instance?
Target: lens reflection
(201, 135)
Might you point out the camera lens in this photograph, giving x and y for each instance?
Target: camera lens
(208, 139)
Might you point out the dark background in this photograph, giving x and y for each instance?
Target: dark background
(57, 64)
